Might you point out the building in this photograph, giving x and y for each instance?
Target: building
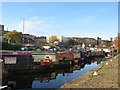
(89, 41)
(86, 41)
(28, 39)
(40, 41)
(108, 43)
(77, 39)
(1, 32)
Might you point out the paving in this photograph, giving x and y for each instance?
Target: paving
(103, 76)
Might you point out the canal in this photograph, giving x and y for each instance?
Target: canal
(53, 79)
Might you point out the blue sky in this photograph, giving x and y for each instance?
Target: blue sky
(80, 19)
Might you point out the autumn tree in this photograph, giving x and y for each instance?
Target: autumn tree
(14, 36)
(52, 39)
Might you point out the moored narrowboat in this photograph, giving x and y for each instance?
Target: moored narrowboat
(62, 55)
(18, 62)
(14, 62)
(70, 58)
(65, 57)
(97, 53)
(76, 55)
(43, 58)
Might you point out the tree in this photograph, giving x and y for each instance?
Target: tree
(52, 39)
(107, 42)
(71, 42)
(14, 36)
(40, 45)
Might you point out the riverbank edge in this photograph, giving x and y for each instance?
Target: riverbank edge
(86, 77)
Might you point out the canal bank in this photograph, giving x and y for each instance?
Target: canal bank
(103, 76)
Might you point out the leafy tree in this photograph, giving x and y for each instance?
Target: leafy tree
(107, 42)
(74, 47)
(71, 42)
(52, 39)
(14, 36)
(40, 45)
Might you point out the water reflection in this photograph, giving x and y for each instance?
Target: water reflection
(54, 79)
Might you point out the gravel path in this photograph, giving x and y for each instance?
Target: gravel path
(107, 76)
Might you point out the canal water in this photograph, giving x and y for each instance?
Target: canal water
(53, 79)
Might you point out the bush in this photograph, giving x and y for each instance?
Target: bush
(7, 46)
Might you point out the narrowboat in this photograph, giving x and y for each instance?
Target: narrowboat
(65, 57)
(69, 58)
(97, 53)
(20, 62)
(62, 55)
(76, 55)
(43, 58)
(17, 62)
(53, 62)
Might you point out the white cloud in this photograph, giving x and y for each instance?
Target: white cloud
(37, 28)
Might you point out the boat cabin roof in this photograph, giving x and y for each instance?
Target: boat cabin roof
(43, 53)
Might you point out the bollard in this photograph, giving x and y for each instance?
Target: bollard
(95, 73)
(106, 63)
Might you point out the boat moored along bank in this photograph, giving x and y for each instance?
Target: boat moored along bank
(41, 61)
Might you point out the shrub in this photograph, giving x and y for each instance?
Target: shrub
(7, 46)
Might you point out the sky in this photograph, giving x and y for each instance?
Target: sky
(75, 19)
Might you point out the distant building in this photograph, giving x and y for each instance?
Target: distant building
(108, 43)
(86, 41)
(77, 39)
(89, 41)
(60, 38)
(28, 39)
(1, 32)
(40, 41)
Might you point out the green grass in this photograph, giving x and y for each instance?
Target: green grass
(91, 75)
(115, 82)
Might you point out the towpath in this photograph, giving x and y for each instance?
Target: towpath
(106, 76)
